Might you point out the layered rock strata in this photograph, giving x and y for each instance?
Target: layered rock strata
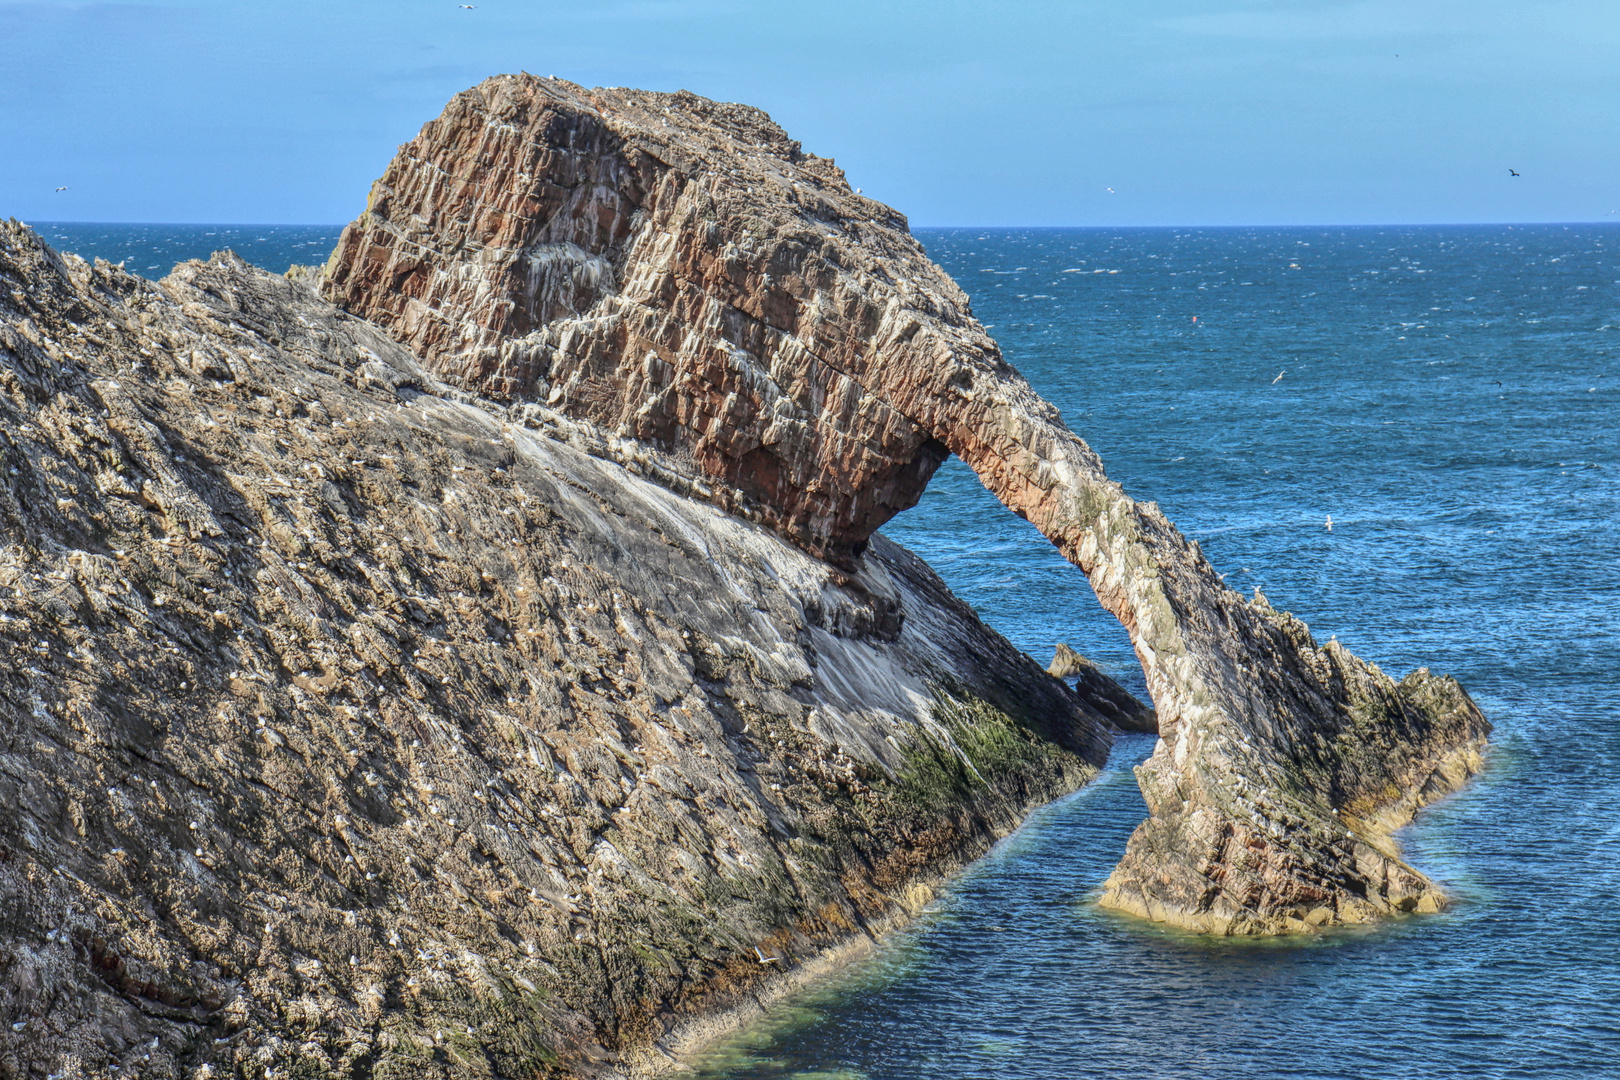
(351, 725)
(681, 272)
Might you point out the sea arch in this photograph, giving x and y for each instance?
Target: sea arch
(683, 274)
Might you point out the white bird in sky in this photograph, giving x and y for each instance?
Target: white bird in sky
(1111, 191)
(467, 7)
(1278, 379)
(62, 188)
(765, 959)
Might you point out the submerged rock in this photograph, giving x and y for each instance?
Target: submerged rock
(355, 725)
(680, 271)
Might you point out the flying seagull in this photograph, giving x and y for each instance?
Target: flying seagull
(1278, 379)
(467, 7)
(1513, 172)
(1330, 523)
(63, 188)
(765, 959)
(1111, 191)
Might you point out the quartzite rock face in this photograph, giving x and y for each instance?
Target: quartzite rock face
(353, 726)
(680, 271)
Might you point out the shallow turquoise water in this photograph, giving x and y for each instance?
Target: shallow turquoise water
(1450, 396)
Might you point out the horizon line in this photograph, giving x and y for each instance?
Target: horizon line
(1175, 225)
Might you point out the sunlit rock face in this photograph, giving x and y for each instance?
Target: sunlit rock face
(680, 272)
(672, 269)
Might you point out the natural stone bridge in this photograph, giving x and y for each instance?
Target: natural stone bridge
(681, 272)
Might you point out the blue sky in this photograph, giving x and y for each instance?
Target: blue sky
(955, 112)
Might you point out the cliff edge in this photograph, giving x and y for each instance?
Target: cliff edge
(683, 273)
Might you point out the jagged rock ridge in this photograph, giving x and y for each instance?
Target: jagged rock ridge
(1115, 702)
(529, 245)
(351, 725)
(681, 271)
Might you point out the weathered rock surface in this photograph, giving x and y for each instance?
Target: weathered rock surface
(673, 269)
(1116, 703)
(681, 272)
(355, 726)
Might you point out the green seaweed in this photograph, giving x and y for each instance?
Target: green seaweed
(988, 751)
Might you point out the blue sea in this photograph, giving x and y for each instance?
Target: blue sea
(1451, 397)
(153, 250)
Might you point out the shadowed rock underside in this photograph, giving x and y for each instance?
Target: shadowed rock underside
(1115, 702)
(355, 726)
(682, 272)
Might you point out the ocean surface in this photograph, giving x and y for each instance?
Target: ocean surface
(152, 250)
(1451, 397)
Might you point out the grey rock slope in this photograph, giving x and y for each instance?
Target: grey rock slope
(354, 726)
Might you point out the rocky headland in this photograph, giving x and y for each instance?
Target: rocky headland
(478, 658)
(354, 725)
(683, 273)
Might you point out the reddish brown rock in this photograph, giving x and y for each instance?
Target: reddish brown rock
(584, 248)
(680, 272)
